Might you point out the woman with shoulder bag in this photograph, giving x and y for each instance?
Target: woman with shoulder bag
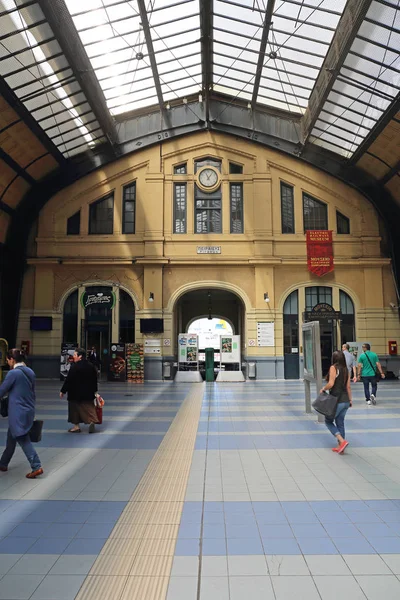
(338, 384)
(19, 384)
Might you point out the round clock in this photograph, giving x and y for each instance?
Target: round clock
(208, 178)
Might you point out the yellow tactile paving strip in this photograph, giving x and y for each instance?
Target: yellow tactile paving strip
(135, 562)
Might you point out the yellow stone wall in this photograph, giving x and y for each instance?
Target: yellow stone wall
(262, 259)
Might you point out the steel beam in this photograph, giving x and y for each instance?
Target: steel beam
(25, 116)
(152, 57)
(16, 167)
(385, 119)
(62, 25)
(206, 36)
(264, 40)
(395, 170)
(349, 24)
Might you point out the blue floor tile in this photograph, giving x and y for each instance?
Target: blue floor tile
(375, 530)
(363, 516)
(386, 545)
(276, 531)
(302, 517)
(214, 518)
(352, 505)
(189, 547)
(32, 530)
(342, 530)
(309, 530)
(246, 546)
(214, 547)
(95, 530)
(353, 545)
(213, 507)
(317, 546)
(280, 546)
(49, 546)
(214, 530)
(189, 531)
(390, 516)
(240, 519)
(9, 545)
(242, 531)
(85, 546)
(71, 517)
(62, 530)
(335, 517)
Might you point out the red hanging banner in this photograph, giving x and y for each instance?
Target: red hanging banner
(319, 252)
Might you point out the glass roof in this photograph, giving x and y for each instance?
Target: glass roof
(142, 59)
(367, 84)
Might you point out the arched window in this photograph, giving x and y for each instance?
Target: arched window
(209, 331)
(70, 319)
(347, 325)
(126, 318)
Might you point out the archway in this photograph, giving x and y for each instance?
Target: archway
(210, 312)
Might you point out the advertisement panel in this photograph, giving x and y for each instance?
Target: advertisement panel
(117, 364)
(188, 347)
(67, 354)
(230, 349)
(135, 363)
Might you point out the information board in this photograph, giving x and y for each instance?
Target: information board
(266, 333)
(67, 358)
(230, 349)
(188, 348)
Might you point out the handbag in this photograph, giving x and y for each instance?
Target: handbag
(4, 407)
(326, 405)
(376, 371)
(99, 403)
(35, 432)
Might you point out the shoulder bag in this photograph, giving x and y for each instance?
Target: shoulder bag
(326, 405)
(4, 407)
(376, 371)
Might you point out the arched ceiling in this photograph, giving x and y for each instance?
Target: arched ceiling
(82, 83)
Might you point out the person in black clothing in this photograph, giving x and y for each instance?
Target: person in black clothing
(93, 357)
(81, 386)
(338, 385)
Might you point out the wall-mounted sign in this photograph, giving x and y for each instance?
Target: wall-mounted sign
(150, 350)
(319, 252)
(67, 359)
(208, 249)
(252, 342)
(266, 333)
(107, 299)
(167, 341)
(322, 311)
(135, 363)
(154, 342)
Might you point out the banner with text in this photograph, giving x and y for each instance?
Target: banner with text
(319, 252)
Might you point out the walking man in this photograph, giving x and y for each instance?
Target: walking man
(367, 366)
(350, 362)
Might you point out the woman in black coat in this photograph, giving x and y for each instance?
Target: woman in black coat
(81, 386)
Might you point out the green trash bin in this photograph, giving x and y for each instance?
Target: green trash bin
(209, 364)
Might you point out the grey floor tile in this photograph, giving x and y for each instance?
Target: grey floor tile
(294, 588)
(392, 560)
(18, 587)
(73, 564)
(332, 587)
(256, 588)
(182, 588)
(58, 587)
(241, 566)
(214, 566)
(34, 564)
(7, 561)
(185, 566)
(364, 564)
(327, 565)
(376, 587)
(214, 588)
(280, 564)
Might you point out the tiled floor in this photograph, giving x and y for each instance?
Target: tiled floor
(265, 511)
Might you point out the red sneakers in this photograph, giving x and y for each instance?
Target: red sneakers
(342, 447)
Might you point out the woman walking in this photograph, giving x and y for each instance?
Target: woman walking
(81, 386)
(338, 385)
(19, 384)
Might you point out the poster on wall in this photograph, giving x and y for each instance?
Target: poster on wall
(356, 349)
(117, 364)
(319, 252)
(188, 347)
(135, 363)
(230, 349)
(67, 358)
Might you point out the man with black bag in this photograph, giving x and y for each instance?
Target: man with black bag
(370, 371)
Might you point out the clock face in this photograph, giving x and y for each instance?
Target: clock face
(208, 178)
